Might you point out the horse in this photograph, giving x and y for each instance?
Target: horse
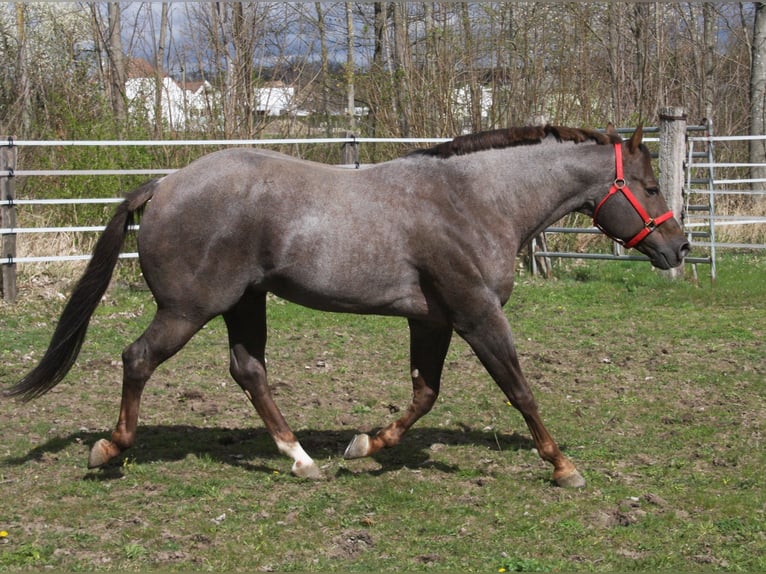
(431, 236)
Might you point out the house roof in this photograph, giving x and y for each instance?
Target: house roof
(192, 86)
(140, 68)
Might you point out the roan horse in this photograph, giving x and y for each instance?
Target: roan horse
(432, 236)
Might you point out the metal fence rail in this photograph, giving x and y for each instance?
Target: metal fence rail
(701, 222)
(9, 174)
(712, 187)
(704, 189)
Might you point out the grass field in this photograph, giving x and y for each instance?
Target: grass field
(655, 389)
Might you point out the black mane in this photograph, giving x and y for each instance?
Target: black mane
(516, 136)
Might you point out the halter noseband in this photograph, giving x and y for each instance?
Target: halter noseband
(620, 185)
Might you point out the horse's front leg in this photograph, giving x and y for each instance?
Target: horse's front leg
(428, 348)
(489, 334)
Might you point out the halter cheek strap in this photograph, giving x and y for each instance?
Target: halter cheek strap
(621, 186)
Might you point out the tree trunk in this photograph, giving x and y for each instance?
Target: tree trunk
(402, 66)
(220, 39)
(758, 94)
(640, 34)
(708, 58)
(117, 65)
(350, 96)
(613, 56)
(159, 67)
(24, 97)
(324, 70)
(474, 89)
(378, 66)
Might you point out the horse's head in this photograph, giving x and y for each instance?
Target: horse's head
(635, 213)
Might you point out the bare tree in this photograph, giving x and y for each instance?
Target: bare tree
(402, 69)
(159, 70)
(324, 66)
(118, 75)
(350, 88)
(228, 36)
(407, 61)
(708, 58)
(642, 54)
(23, 91)
(758, 92)
(469, 51)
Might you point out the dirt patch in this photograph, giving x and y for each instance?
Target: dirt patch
(630, 511)
(350, 544)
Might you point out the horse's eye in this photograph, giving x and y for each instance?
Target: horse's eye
(652, 190)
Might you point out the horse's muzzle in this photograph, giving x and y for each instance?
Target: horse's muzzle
(669, 258)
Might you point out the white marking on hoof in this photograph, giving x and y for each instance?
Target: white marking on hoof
(303, 465)
(101, 453)
(573, 480)
(358, 447)
(310, 471)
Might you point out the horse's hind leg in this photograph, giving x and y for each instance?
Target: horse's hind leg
(166, 334)
(428, 348)
(246, 323)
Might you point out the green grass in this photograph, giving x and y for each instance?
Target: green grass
(654, 388)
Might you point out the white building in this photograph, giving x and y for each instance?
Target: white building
(275, 99)
(182, 106)
(461, 103)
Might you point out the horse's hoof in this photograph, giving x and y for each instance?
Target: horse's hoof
(358, 447)
(572, 480)
(310, 471)
(101, 453)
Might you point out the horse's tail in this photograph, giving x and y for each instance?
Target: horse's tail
(70, 332)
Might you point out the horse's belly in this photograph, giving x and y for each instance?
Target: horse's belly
(352, 295)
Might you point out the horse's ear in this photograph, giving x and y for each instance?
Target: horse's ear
(635, 139)
(610, 129)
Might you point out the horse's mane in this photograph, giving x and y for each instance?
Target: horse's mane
(516, 136)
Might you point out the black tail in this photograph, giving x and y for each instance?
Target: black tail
(70, 332)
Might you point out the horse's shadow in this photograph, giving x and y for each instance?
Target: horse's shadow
(241, 446)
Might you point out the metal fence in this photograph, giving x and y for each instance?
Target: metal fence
(700, 218)
(710, 187)
(10, 172)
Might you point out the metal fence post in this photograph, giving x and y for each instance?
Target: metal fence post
(671, 166)
(350, 151)
(8, 218)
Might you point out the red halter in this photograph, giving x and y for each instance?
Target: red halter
(620, 185)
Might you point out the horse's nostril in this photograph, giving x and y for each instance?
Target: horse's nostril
(685, 249)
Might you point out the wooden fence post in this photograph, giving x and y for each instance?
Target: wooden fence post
(8, 218)
(671, 164)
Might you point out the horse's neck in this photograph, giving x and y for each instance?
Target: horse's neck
(542, 182)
